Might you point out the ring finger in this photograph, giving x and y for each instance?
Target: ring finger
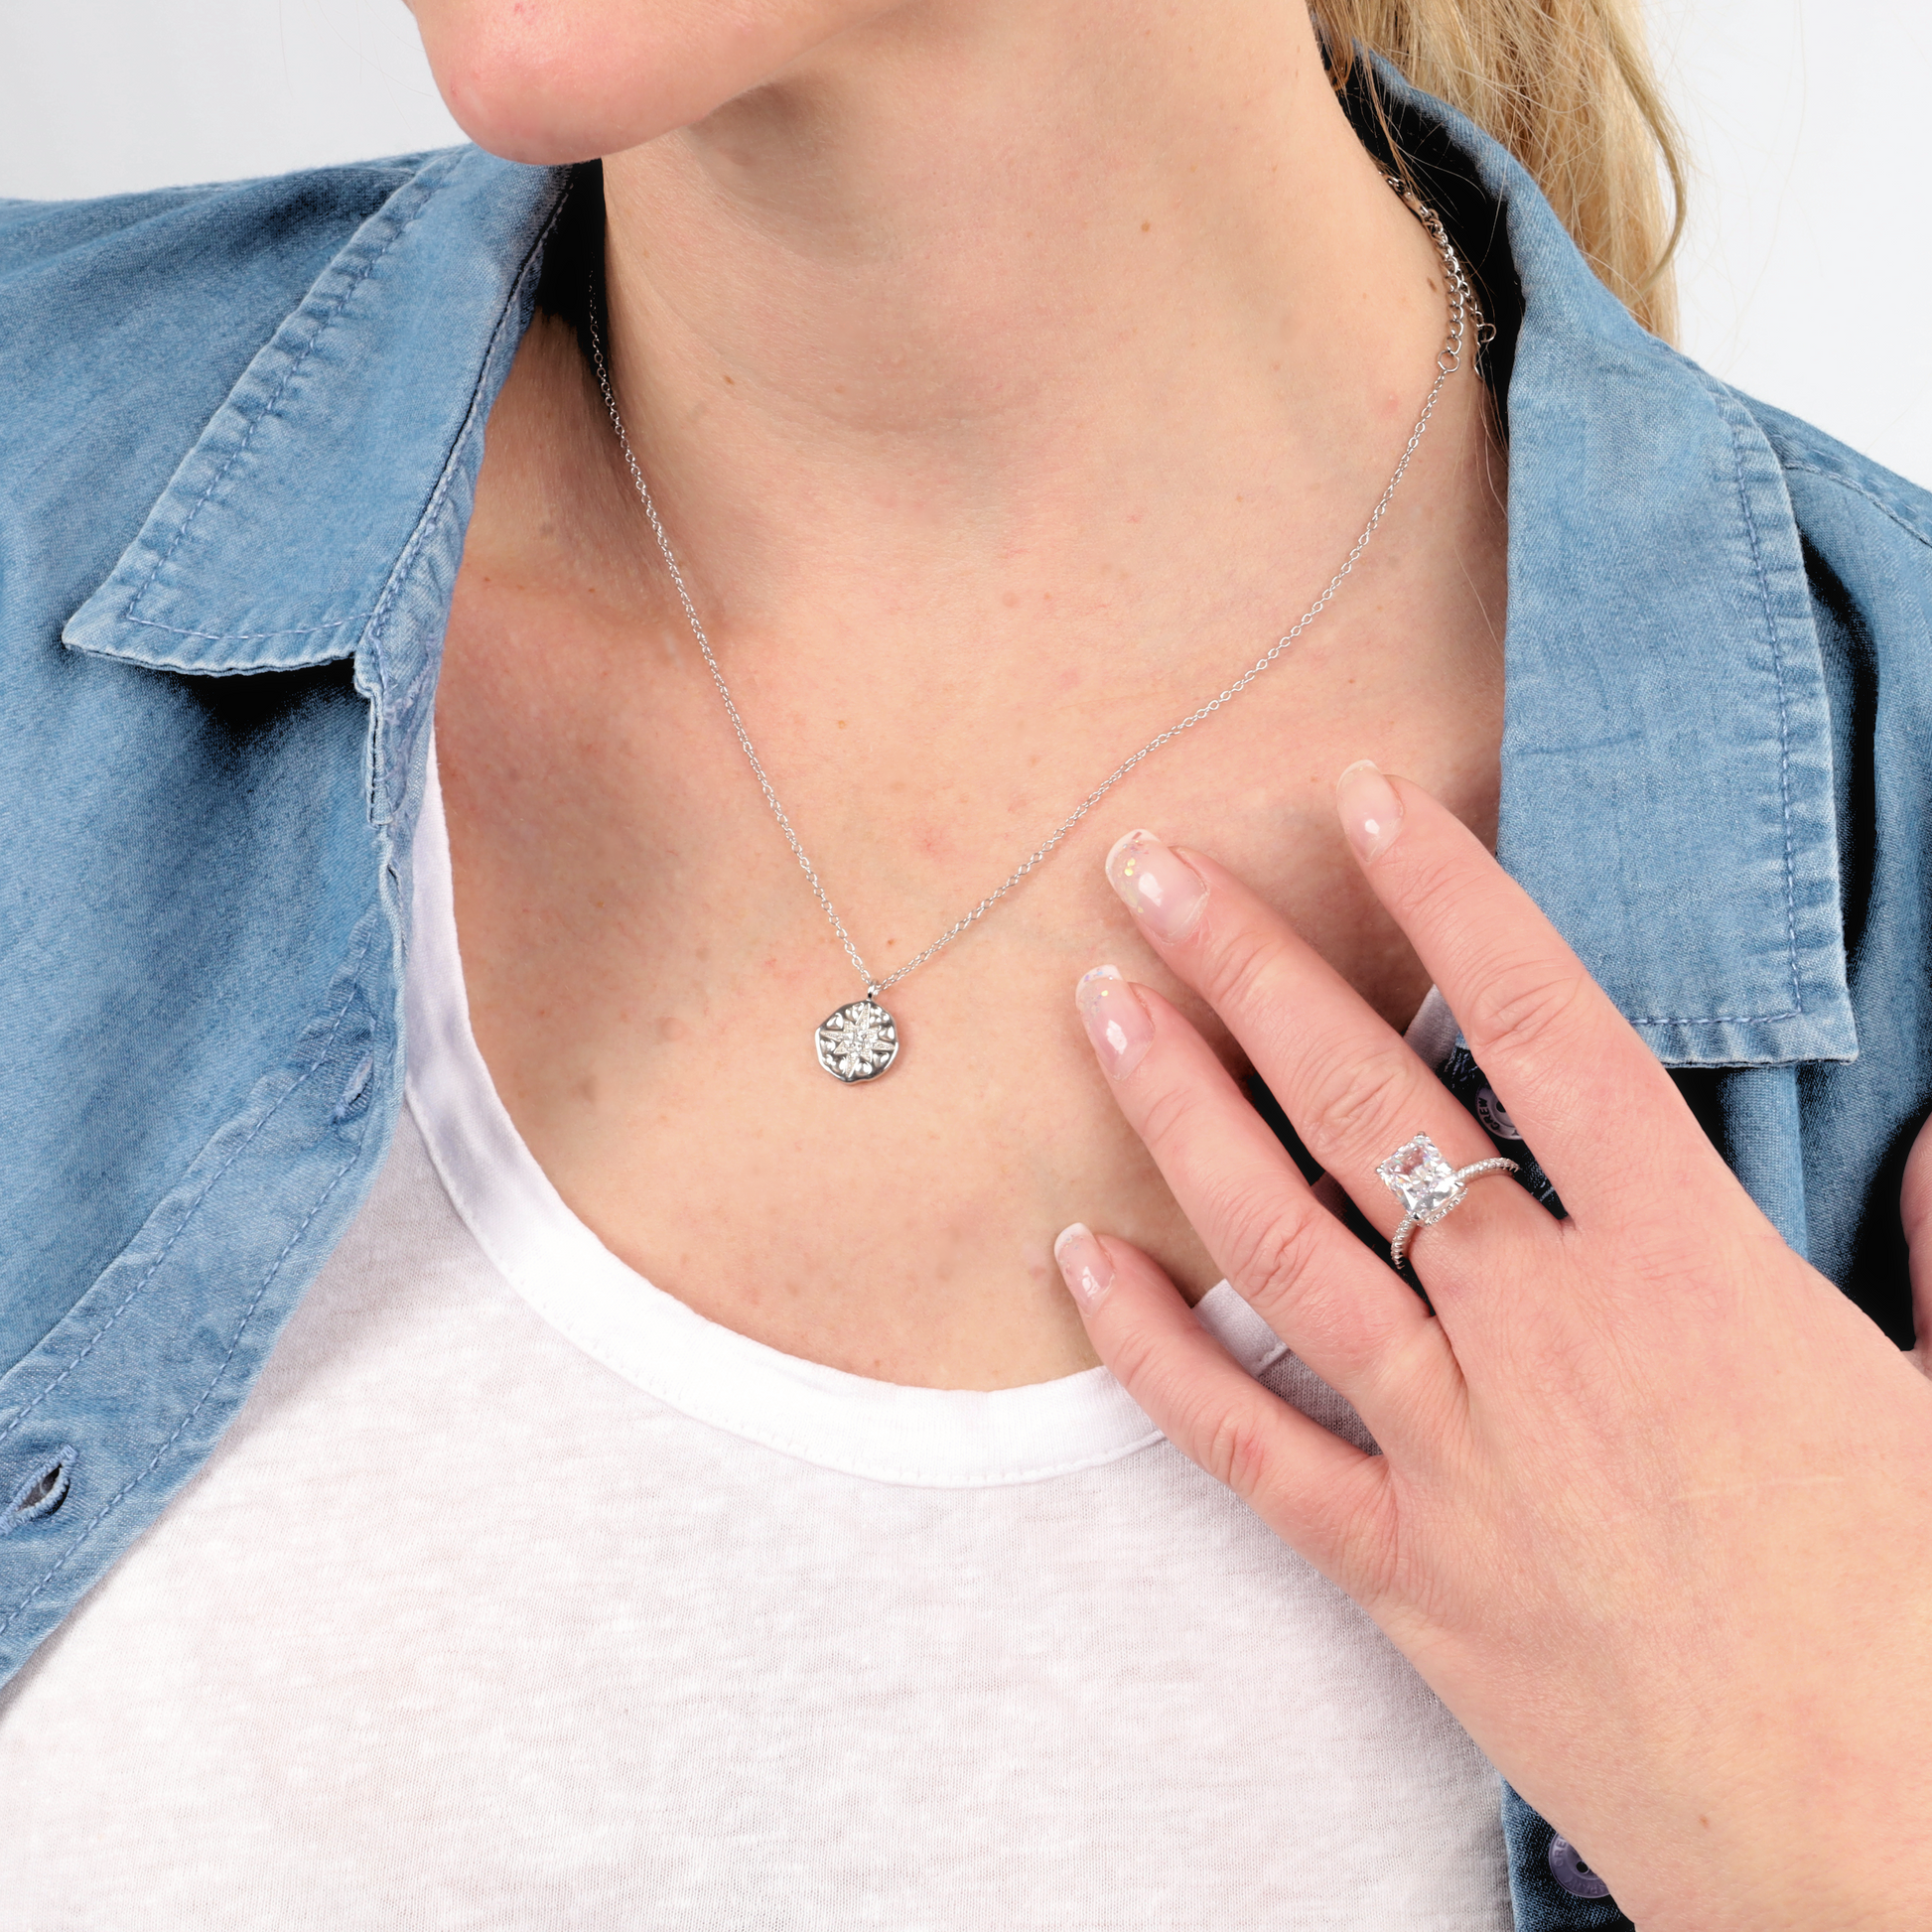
(1352, 1087)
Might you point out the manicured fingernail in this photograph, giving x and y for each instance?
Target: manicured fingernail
(1119, 1026)
(1084, 1264)
(1371, 813)
(1166, 895)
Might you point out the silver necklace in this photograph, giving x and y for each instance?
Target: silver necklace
(859, 1041)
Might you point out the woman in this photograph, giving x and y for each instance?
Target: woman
(685, 1492)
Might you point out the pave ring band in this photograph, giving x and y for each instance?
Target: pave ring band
(1417, 1175)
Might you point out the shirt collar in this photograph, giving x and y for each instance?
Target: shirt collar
(320, 514)
(1667, 790)
(1667, 787)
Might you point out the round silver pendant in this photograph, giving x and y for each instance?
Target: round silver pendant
(858, 1043)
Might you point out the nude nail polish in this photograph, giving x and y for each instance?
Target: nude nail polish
(1119, 1026)
(1371, 813)
(1083, 1261)
(1164, 894)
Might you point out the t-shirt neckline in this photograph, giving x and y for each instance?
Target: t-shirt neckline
(882, 1430)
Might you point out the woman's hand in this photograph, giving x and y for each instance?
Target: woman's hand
(1653, 1513)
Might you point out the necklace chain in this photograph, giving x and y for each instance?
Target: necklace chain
(1462, 307)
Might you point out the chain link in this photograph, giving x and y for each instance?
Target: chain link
(1462, 307)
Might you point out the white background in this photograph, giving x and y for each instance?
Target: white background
(1807, 276)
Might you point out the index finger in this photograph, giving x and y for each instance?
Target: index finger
(1584, 1090)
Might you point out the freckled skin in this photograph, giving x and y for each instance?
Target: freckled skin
(977, 509)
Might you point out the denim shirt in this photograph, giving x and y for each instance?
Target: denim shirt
(242, 431)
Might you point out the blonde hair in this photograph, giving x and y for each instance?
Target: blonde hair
(1567, 85)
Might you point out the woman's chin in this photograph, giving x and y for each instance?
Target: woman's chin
(528, 97)
(561, 82)
(547, 131)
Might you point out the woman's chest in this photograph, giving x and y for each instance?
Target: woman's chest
(649, 966)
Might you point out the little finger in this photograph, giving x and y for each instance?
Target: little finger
(1322, 1496)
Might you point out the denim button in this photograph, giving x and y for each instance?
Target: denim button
(1572, 1873)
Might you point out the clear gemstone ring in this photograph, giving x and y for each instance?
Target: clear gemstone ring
(1417, 1175)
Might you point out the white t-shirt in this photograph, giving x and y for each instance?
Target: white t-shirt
(521, 1596)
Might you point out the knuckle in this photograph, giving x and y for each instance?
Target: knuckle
(1520, 1006)
(1360, 1102)
(1231, 1446)
(1435, 889)
(1240, 965)
(1139, 1364)
(1214, 1428)
(1273, 1249)
(1167, 1113)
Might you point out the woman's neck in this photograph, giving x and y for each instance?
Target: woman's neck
(992, 293)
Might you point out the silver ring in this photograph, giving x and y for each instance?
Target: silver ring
(1428, 1187)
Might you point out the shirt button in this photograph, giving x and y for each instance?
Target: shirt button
(1495, 1117)
(1572, 1873)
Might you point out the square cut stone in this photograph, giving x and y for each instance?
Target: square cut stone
(1421, 1179)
